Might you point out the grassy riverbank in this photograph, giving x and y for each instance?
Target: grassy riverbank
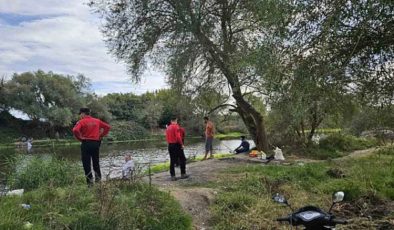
(333, 146)
(244, 196)
(60, 199)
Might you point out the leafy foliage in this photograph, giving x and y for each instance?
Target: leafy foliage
(370, 118)
(59, 199)
(124, 106)
(44, 96)
(127, 130)
(41, 171)
(346, 143)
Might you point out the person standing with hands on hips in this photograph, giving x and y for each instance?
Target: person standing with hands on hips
(89, 131)
(175, 148)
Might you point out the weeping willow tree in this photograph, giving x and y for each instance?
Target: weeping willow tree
(200, 44)
(314, 53)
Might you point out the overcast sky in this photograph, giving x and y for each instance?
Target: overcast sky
(63, 36)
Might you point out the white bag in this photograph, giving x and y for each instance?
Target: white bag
(263, 156)
(17, 192)
(279, 154)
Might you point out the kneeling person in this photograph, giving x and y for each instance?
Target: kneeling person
(128, 167)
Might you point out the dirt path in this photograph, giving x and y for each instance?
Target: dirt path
(195, 194)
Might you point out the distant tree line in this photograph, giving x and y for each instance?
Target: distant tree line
(52, 101)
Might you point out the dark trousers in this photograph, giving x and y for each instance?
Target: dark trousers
(241, 150)
(90, 153)
(176, 154)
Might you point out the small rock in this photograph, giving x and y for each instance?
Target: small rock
(27, 225)
(336, 173)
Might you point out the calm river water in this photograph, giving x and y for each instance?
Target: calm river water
(143, 152)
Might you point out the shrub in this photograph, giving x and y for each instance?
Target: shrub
(316, 152)
(343, 142)
(388, 150)
(127, 130)
(37, 171)
(60, 199)
(113, 205)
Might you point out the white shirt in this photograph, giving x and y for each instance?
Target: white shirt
(127, 168)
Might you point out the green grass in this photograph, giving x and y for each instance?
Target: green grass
(34, 172)
(8, 134)
(117, 205)
(336, 145)
(60, 199)
(160, 167)
(7, 159)
(341, 142)
(386, 150)
(244, 197)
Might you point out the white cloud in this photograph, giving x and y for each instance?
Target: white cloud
(44, 7)
(65, 38)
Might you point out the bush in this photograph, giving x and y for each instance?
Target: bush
(57, 202)
(372, 118)
(388, 150)
(314, 152)
(343, 142)
(7, 159)
(113, 205)
(37, 171)
(127, 130)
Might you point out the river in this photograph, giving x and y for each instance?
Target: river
(143, 153)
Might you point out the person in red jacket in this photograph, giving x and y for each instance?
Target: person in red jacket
(89, 131)
(182, 132)
(175, 148)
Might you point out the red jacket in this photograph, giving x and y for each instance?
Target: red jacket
(182, 132)
(173, 134)
(89, 128)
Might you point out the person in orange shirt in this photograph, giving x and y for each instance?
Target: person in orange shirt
(209, 134)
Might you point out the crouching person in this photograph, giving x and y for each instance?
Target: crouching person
(128, 167)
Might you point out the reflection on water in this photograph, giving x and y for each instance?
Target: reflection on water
(143, 152)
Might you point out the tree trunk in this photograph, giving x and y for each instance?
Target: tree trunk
(315, 122)
(221, 57)
(253, 121)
